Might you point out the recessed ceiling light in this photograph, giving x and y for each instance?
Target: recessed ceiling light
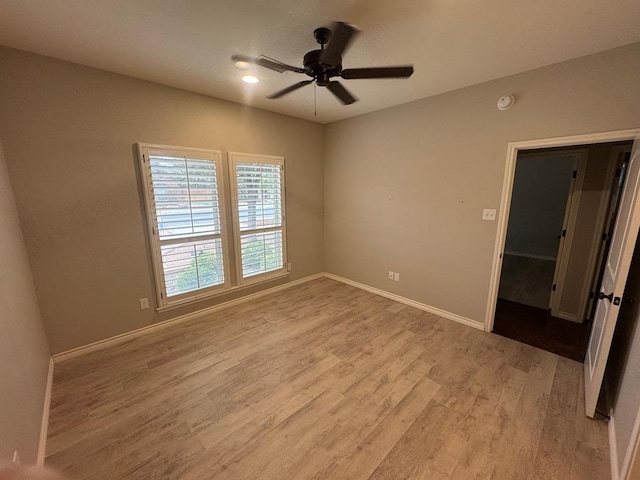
(242, 65)
(250, 79)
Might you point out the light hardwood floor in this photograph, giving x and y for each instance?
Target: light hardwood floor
(323, 381)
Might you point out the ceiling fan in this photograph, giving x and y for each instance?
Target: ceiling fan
(326, 63)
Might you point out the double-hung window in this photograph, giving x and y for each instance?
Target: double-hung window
(258, 200)
(190, 226)
(186, 217)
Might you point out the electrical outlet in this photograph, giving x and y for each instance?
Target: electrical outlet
(396, 277)
(390, 275)
(144, 303)
(16, 457)
(489, 214)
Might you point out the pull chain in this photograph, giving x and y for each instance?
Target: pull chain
(315, 100)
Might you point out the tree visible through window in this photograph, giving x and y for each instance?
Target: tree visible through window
(186, 218)
(188, 223)
(259, 212)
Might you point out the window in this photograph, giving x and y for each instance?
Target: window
(259, 220)
(189, 227)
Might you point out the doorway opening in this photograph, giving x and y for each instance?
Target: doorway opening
(562, 210)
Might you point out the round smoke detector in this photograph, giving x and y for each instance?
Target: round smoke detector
(505, 102)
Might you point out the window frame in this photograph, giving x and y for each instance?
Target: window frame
(233, 159)
(215, 156)
(230, 234)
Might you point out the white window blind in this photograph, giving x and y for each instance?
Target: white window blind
(258, 190)
(186, 217)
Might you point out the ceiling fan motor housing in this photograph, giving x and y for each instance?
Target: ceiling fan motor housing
(320, 71)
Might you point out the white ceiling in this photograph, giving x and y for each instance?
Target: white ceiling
(188, 43)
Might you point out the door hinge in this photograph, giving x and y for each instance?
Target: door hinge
(553, 288)
(144, 158)
(604, 236)
(575, 174)
(162, 295)
(564, 233)
(592, 294)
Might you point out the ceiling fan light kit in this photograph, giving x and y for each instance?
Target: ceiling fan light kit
(242, 65)
(325, 63)
(250, 79)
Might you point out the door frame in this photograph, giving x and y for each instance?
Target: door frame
(513, 148)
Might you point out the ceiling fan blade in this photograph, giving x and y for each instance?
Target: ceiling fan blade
(290, 89)
(267, 63)
(342, 36)
(341, 93)
(403, 71)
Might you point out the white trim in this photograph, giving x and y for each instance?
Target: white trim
(145, 151)
(118, 339)
(407, 301)
(44, 424)
(507, 186)
(233, 158)
(632, 448)
(570, 317)
(239, 288)
(124, 337)
(584, 139)
(529, 255)
(613, 448)
(633, 463)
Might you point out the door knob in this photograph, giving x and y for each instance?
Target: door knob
(609, 297)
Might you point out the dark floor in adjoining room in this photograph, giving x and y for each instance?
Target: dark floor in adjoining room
(537, 327)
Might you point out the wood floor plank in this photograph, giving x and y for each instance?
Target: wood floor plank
(367, 455)
(322, 381)
(558, 441)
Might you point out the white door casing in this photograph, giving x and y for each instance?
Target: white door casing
(513, 148)
(614, 279)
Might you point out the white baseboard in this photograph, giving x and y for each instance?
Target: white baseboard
(44, 424)
(115, 340)
(411, 303)
(613, 449)
(530, 255)
(623, 472)
(568, 317)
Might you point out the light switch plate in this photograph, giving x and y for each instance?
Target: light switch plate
(489, 214)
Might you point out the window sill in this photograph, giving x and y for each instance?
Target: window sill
(220, 293)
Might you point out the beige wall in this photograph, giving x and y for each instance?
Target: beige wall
(69, 133)
(405, 187)
(540, 190)
(24, 353)
(623, 368)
